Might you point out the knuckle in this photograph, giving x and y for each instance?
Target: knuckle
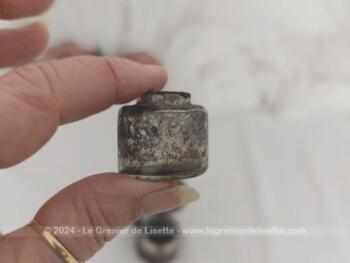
(85, 210)
(103, 210)
(30, 74)
(40, 93)
(95, 215)
(114, 66)
(41, 76)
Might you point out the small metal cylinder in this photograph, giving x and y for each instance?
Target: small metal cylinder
(163, 137)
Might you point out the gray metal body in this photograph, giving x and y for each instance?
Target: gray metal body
(163, 137)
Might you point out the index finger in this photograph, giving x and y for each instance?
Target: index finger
(35, 99)
(11, 9)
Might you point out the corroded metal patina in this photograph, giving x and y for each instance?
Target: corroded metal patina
(163, 137)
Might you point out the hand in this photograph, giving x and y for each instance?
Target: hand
(34, 101)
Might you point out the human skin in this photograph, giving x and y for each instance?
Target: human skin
(35, 100)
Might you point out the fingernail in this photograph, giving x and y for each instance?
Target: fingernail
(168, 199)
(185, 194)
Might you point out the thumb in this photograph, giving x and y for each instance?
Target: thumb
(106, 200)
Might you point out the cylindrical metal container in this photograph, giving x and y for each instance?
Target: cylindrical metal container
(163, 137)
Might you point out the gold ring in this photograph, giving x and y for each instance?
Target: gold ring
(60, 250)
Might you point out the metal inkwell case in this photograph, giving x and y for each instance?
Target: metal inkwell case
(163, 137)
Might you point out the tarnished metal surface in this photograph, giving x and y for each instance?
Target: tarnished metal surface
(163, 137)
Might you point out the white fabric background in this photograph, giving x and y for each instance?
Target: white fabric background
(274, 75)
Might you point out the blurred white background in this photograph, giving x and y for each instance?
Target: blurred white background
(275, 77)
